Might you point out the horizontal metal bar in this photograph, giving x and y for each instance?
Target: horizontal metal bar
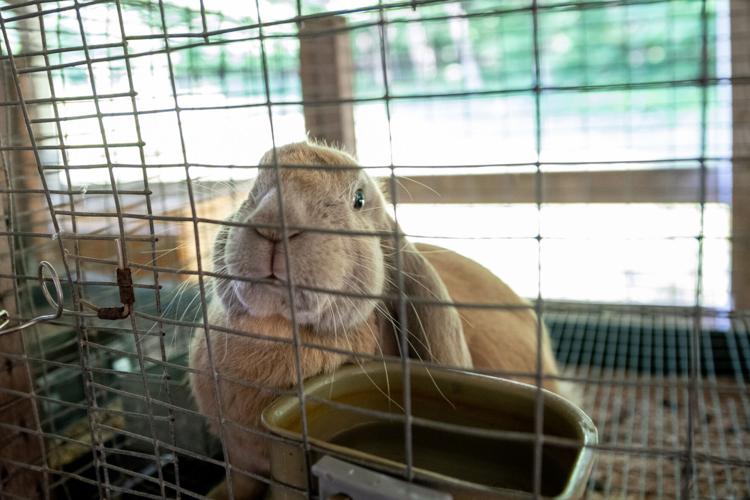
(52, 100)
(73, 146)
(76, 192)
(292, 166)
(91, 236)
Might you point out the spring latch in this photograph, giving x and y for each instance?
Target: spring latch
(124, 284)
(56, 302)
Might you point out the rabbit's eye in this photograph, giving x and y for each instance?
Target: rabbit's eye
(359, 199)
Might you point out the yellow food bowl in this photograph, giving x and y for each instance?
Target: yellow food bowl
(472, 436)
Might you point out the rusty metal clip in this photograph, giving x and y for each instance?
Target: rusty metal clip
(127, 298)
(127, 294)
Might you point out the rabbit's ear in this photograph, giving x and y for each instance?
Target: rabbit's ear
(435, 331)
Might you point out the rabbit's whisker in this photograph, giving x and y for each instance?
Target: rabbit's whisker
(356, 359)
(429, 350)
(385, 365)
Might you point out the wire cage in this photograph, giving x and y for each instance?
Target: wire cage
(593, 154)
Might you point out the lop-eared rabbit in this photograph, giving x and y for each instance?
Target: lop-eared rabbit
(318, 203)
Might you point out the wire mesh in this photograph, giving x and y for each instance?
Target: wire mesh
(130, 132)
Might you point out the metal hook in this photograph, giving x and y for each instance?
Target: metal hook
(57, 305)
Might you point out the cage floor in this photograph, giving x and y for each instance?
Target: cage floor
(648, 426)
(631, 373)
(634, 383)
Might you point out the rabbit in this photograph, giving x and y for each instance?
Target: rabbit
(249, 372)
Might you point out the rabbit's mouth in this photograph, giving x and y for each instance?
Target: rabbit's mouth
(270, 297)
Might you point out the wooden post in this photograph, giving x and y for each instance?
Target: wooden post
(740, 19)
(18, 444)
(326, 72)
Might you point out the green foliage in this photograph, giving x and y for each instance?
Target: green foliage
(433, 51)
(636, 43)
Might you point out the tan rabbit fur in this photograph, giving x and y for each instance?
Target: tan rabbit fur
(249, 371)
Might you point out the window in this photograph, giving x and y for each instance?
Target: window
(621, 91)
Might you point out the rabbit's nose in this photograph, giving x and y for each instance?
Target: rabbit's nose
(275, 235)
(267, 221)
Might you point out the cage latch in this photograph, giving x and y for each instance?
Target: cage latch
(127, 297)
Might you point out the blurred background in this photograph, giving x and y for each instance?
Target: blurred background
(594, 154)
(625, 90)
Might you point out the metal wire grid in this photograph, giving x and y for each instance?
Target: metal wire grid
(679, 367)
